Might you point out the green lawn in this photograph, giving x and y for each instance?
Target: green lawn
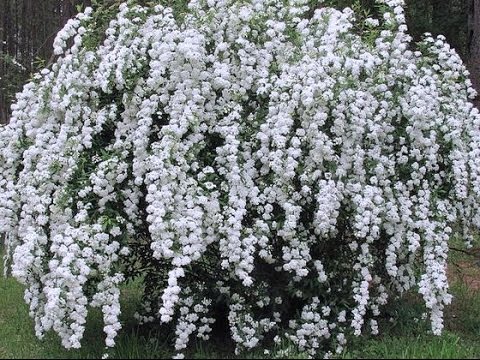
(402, 338)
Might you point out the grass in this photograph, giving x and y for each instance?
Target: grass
(18, 340)
(406, 337)
(448, 346)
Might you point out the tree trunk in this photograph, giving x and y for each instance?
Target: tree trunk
(474, 44)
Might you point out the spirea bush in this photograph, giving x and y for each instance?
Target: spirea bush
(282, 168)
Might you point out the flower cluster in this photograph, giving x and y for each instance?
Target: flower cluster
(284, 168)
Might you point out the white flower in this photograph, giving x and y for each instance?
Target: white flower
(243, 152)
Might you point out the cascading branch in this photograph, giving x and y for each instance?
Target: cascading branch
(286, 169)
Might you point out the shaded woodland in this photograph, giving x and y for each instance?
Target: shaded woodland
(27, 31)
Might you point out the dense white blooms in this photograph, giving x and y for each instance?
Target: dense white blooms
(255, 154)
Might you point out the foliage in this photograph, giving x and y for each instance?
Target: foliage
(449, 18)
(264, 164)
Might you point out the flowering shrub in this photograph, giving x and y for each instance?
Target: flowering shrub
(287, 168)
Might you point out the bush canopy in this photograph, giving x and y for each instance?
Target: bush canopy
(283, 168)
